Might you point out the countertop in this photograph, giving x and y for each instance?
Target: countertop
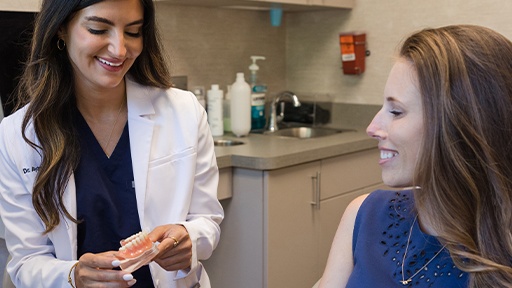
(263, 152)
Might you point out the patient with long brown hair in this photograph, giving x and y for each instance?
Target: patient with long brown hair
(445, 136)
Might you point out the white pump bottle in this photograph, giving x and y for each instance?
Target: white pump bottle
(254, 69)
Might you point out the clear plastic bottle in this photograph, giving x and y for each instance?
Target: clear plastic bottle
(215, 115)
(226, 109)
(199, 92)
(240, 106)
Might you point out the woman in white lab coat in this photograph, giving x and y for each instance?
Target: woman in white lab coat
(102, 149)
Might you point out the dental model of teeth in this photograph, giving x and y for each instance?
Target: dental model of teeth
(136, 251)
(135, 245)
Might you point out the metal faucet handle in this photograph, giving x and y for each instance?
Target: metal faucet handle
(290, 94)
(274, 118)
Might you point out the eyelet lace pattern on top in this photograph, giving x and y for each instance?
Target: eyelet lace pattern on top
(421, 248)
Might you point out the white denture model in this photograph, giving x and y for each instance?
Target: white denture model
(136, 251)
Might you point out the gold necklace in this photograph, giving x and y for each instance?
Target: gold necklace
(112, 130)
(406, 282)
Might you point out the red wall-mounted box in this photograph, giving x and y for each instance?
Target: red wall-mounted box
(353, 52)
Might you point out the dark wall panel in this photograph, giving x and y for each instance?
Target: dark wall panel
(15, 32)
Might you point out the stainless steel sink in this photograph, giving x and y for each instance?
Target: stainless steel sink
(306, 132)
(227, 142)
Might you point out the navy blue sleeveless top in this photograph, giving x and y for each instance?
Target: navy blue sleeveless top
(105, 197)
(380, 238)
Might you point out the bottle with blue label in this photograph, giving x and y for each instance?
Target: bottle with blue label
(258, 92)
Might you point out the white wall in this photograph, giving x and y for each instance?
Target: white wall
(312, 54)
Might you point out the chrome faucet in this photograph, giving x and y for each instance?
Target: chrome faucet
(274, 118)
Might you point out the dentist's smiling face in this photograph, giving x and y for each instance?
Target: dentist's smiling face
(103, 40)
(398, 126)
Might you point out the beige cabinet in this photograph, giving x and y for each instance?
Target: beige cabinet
(279, 224)
(299, 2)
(20, 5)
(35, 5)
(287, 5)
(291, 228)
(319, 3)
(333, 3)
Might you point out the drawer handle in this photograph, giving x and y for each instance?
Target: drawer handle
(316, 190)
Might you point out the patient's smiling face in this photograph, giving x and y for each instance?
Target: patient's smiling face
(398, 126)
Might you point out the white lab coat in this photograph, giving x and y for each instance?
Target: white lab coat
(176, 178)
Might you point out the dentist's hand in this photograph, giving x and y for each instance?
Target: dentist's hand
(96, 270)
(175, 247)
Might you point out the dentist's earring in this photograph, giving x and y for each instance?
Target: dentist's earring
(61, 44)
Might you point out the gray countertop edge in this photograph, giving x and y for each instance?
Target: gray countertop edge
(261, 152)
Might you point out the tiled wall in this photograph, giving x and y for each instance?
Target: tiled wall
(313, 54)
(210, 45)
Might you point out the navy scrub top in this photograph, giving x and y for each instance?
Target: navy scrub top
(105, 197)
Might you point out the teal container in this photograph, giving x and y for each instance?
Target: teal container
(258, 107)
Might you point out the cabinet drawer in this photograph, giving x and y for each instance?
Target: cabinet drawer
(350, 172)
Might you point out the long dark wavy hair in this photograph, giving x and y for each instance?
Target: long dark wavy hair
(47, 86)
(465, 168)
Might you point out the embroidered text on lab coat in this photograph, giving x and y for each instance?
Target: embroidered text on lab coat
(29, 170)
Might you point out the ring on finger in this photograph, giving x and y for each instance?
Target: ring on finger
(176, 242)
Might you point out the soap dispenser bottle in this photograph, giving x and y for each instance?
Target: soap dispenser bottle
(258, 92)
(240, 106)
